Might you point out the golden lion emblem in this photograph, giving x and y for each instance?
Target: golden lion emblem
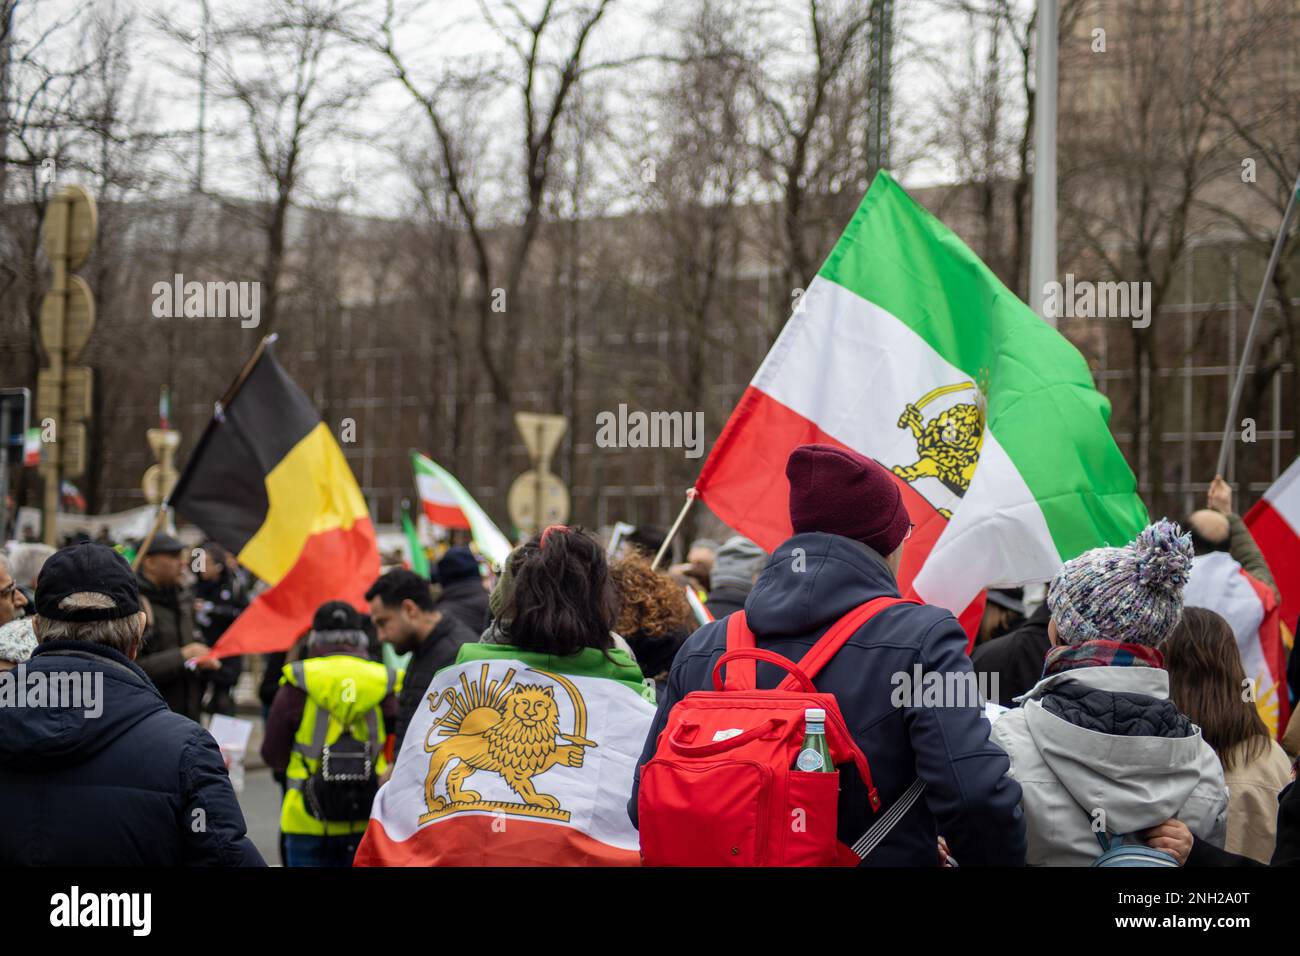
(948, 445)
(509, 731)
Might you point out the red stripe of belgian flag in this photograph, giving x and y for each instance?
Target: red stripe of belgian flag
(269, 482)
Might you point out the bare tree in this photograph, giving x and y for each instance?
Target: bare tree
(812, 126)
(285, 75)
(694, 190)
(1268, 152)
(1140, 144)
(541, 84)
(982, 125)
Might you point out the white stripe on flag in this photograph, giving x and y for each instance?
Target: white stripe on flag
(1284, 495)
(433, 490)
(856, 391)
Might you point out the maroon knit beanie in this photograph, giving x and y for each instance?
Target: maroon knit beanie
(838, 491)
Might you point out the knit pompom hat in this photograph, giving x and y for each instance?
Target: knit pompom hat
(17, 641)
(1132, 594)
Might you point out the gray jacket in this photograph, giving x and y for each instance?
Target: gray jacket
(1105, 744)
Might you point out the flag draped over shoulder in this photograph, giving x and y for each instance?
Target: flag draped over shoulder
(1220, 584)
(269, 482)
(514, 763)
(447, 503)
(907, 348)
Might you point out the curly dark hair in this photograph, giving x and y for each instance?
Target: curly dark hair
(652, 603)
(561, 599)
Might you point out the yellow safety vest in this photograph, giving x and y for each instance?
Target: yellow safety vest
(342, 692)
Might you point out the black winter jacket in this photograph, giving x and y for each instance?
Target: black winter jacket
(171, 628)
(467, 602)
(1016, 658)
(433, 654)
(119, 780)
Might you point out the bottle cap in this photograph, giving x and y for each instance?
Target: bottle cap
(815, 714)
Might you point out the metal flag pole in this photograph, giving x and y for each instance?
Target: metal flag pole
(1287, 219)
(1042, 235)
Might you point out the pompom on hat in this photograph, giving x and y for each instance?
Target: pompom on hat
(1132, 594)
(17, 640)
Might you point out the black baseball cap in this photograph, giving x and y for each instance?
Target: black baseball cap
(336, 616)
(82, 568)
(164, 543)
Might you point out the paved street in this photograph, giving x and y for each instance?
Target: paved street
(260, 802)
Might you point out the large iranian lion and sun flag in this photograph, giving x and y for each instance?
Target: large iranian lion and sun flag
(907, 348)
(515, 763)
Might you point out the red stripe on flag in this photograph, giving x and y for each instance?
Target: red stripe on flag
(447, 516)
(336, 565)
(1281, 547)
(743, 482)
(1270, 644)
(467, 839)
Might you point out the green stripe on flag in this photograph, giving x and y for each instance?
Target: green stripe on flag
(1042, 405)
(419, 560)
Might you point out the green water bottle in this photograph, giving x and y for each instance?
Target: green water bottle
(815, 754)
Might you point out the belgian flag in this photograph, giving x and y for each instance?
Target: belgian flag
(269, 482)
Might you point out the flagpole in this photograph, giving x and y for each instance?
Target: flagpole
(153, 532)
(691, 495)
(247, 370)
(1287, 219)
(222, 402)
(1042, 235)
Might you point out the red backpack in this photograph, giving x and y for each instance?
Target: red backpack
(720, 790)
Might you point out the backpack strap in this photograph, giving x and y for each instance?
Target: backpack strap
(742, 671)
(837, 636)
(888, 820)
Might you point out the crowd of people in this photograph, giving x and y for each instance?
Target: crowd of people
(1115, 718)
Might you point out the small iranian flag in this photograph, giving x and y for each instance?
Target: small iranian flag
(907, 348)
(32, 448)
(448, 504)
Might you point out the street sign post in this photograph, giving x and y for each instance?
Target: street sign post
(538, 498)
(65, 393)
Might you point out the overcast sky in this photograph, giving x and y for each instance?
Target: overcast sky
(444, 33)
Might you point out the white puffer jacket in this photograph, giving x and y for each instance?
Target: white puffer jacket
(1082, 751)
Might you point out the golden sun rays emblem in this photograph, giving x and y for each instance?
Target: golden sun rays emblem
(948, 445)
(506, 729)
